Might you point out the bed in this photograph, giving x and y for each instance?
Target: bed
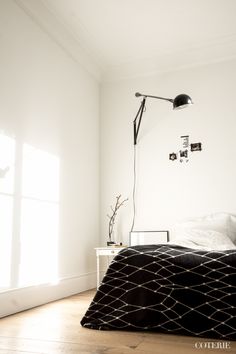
(168, 288)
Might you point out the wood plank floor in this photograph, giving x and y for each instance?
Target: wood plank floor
(55, 328)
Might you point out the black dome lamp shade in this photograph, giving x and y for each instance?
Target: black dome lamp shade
(181, 101)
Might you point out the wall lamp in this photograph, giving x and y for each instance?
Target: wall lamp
(179, 102)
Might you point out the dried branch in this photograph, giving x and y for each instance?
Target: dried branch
(114, 209)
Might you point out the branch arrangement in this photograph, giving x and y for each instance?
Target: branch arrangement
(114, 209)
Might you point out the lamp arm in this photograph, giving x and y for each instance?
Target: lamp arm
(140, 112)
(139, 117)
(159, 98)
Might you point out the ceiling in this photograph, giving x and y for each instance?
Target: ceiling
(124, 38)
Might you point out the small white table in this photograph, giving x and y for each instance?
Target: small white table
(105, 251)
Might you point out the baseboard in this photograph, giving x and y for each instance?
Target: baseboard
(16, 300)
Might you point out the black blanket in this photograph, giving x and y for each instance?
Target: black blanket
(169, 289)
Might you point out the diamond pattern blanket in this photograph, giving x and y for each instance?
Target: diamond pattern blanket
(170, 289)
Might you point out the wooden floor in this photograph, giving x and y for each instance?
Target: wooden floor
(55, 328)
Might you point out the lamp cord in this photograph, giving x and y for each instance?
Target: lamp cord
(134, 189)
(135, 176)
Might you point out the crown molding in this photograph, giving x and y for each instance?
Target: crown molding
(217, 50)
(55, 29)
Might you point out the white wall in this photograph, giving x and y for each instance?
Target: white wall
(169, 191)
(49, 101)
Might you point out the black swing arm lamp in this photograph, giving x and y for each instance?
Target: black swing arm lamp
(179, 102)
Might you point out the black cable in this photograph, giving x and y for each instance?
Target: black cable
(142, 109)
(134, 190)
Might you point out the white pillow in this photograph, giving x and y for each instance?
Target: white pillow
(221, 222)
(203, 239)
(232, 228)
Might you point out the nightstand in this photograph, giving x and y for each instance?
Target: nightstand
(105, 251)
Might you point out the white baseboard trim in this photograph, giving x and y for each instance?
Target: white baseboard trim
(16, 300)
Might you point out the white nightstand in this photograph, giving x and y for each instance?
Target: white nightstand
(105, 251)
